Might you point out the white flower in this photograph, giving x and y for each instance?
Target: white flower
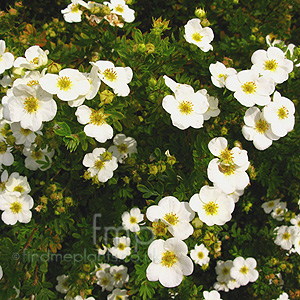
(6, 158)
(272, 63)
(296, 243)
(33, 155)
(31, 106)
(296, 222)
(100, 163)
(279, 210)
(15, 208)
(270, 205)
(35, 57)
(115, 77)
(243, 270)
(283, 296)
(1, 273)
(23, 136)
(250, 88)
(118, 294)
(223, 270)
(212, 205)
(80, 298)
(169, 262)
(121, 247)
(213, 110)
(175, 214)
(119, 7)
(285, 236)
(119, 275)
(257, 129)
(16, 183)
(62, 284)
(200, 255)
(105, 280)
(221, 286)
(72, 13)
(123, 147)
(96, 125)
(195, 34)
(280, 114)
(31, 78)
(220, 73)
(212, 295)
(131, 219)
(6, 58)
(69, 84)
(187, 107)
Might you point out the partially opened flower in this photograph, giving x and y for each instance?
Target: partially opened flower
(212, 205)
(115, 77)
(35, 57)
(131, 219)
(175, 214)
(6, 157)
(6, 58)
(200, 255)
(37, 158)
(118, 294)
(119, 7)
(23, 136)
(121, 247)
(169, 262)
(250, 88)
(62, 284)
(17, 183)
(212, 295)
(280, 114)
(213, 110)
(219, 73)
(95, 123)
(244, 270)
(195, 34)
(272, 63)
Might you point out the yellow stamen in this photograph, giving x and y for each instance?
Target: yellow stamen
(64, 83)
(186, 107)
(282, 112)
(197, 37)
(249, 87)
(271, 65)
(211, 208)
(261, 126)
(31, 104)
(171, 218)
(168, 259)
(110, 74)
(16, 207)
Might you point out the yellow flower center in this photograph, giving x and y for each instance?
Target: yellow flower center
(225, 271)
(282, 112)
(104, 281)
(110, 74)
(211, 208)
(16, 207)
(122, 148)
(75, 8)
(286, 236)
(244, 270)
(278, 211)
(271, 204)
(249, 87)
(99, 164)
(261, 126)
(31, 104)
(132, 220)
(226, 157)
(271, 65)
(118, 276)
(97, 117)
(200, 255)
(186, 107)
(119, 8)
(171, 218)
(37, 154)
(32, 82)
(121, 246)
(25, 131)
(19, 189)
(223, 75)
(168, 259)
(119, 298)
(64, 83)
(197, 37)
(35, 61)
(227, 169)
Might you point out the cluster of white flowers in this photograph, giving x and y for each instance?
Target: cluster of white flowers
(255, 87)
(119, 12)
(14, 199)
(236, 273)
(276, 208)
(192, 112)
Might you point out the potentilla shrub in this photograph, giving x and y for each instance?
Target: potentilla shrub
(150, 162)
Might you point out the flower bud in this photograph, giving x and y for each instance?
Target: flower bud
(200, 13)
(205, 23)
(106, 96)
(150, 48)
(54, 68)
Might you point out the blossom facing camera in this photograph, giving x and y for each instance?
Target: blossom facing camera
(219, 73)
(200, 255)
(6, 58)
(119, 7)
(131, 219)
(121, 247)
(169, 262)
(197, 35)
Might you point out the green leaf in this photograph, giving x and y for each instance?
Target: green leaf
(63, 129)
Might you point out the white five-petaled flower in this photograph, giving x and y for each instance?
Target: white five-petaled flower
(115, 77)
(243, 270)
(131, 219)
(123, 147)
(285, 236)
(62, 284)
(118, 294)
(257, 129)
(119, 7)
(72, 12)
(31, 78)
(283, 296)
(296, 222)
(95, 124)
(101, 163)
(31, 106)
(169, 262)
(35, 155)
(175, 214)
(121, 247)
(195, 34)
(250, 88)
(212, 205)
(219, 73)
(17, 184)
(105, 280)
(68, 85)
(35, 57)
(280, 114)
(119, 275)
(223, 270)
(212, 295)
(6, 58)
(269, 206)
(200, 255)
(272, 63)
(23, 136)
(279, 210)
(187, 107)
(16, 207)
